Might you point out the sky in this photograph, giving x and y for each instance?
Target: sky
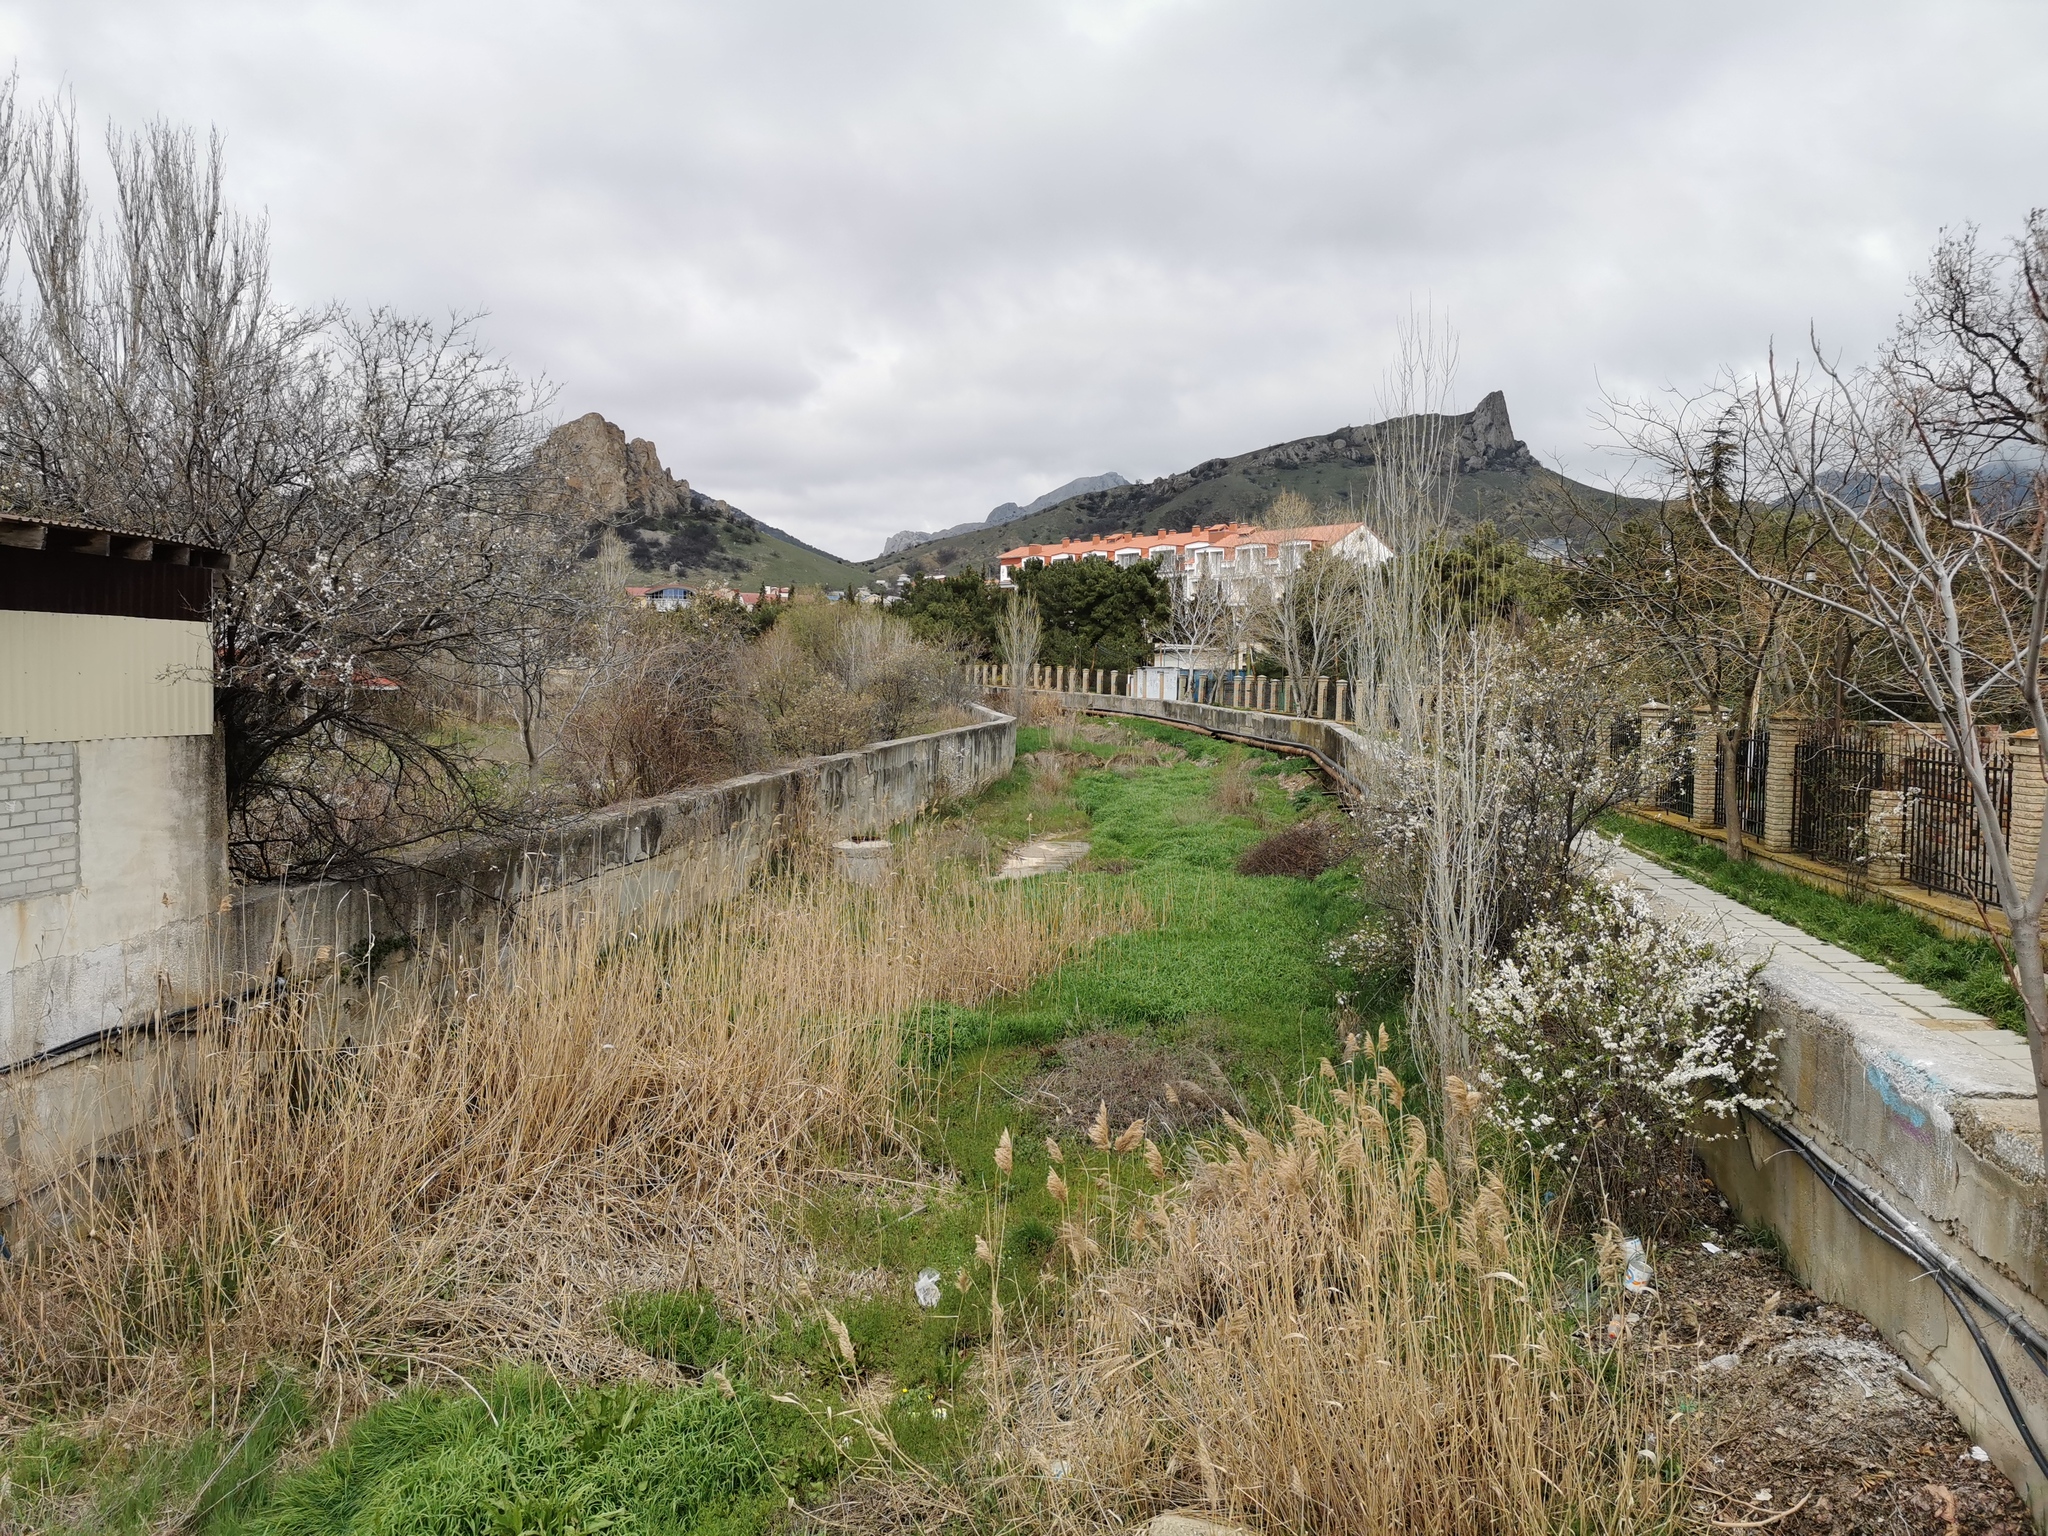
(858, 268)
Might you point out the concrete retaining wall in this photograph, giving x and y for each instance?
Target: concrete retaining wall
(1929, 1104)
(1342, 750)
(677, 850)
(1925, 1102)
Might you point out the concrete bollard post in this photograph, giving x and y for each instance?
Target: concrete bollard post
(861, 860)
(2029, 805)
(1703, 765)
(1780, 784)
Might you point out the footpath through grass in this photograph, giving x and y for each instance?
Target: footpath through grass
(1968, 972)
(792, 1395)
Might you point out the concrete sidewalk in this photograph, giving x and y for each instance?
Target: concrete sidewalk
(1949, 1050)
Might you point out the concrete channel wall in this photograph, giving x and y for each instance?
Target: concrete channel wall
(1929, 1105)
(95, 1069)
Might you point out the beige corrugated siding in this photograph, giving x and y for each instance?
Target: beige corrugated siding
(90, 677)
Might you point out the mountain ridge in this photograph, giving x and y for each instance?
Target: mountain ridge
(1008, 512)
(1498, 480)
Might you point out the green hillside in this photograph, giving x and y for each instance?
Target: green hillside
(1498, 481)
(750, 555)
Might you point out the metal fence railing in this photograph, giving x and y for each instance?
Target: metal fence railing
(1753, 766)
(1832, 781)
(1942, 845)
(1865, 794)
(1672, 788)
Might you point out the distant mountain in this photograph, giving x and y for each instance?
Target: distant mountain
(620, 494)
(1008, 512)
(1498, 481)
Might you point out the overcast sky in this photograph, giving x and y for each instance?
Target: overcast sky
(861, 267)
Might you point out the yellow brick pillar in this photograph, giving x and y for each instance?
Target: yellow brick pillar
(2029, 805)
(1780, 787)
(1703, 765)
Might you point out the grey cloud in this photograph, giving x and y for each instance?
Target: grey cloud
(859, 268)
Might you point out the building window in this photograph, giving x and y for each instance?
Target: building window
(38, 818)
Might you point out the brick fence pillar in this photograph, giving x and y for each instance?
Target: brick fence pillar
(2029, 805)
(1786, 730)
(1703, 765)
(1654, 755)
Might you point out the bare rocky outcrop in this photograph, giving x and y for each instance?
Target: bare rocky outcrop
(588, 471)
(596, 475)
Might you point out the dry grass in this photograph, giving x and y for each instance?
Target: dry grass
(1327, 1333)
(1233, 793)
(605, 1110)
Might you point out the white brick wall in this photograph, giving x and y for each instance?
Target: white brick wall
(38, 818)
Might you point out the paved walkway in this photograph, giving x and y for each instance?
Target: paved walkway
(1958, 1052)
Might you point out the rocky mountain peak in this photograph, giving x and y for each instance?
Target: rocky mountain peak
(1486, 439)
(600, 477)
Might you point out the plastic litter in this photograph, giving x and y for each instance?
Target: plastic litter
(1636, 1273)
(1978, 1453)
(928, 1288)
(1711, 1247)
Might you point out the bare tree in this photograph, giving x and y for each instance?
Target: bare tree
(1308, 616)
(1021, 633)
(1204, 619)
(1924, 471)
(367, 474)
(1678, 574)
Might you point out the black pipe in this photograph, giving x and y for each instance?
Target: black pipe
(1940, 1267)
(156, 1024)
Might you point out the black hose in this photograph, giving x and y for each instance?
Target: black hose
(1862, 1202)
(174, 1023)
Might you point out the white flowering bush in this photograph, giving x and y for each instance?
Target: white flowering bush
(1379, 953)
(1606, 1039)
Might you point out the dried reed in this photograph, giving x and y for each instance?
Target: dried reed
(478, 1172)
(1327, 1333)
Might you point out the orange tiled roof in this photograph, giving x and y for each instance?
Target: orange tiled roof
(1216, 535)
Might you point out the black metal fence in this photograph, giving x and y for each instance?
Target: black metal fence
(1832, 781)
(1672, 790)
(1936, 840)
(1753, 767)
(1942, 845)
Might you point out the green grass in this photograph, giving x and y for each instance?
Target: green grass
(63, 1483)
(1968, 972)
(1236, 965)
(521, 1454)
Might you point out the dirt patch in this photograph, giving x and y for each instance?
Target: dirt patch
(1802, 1400)
(1172, 1088)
